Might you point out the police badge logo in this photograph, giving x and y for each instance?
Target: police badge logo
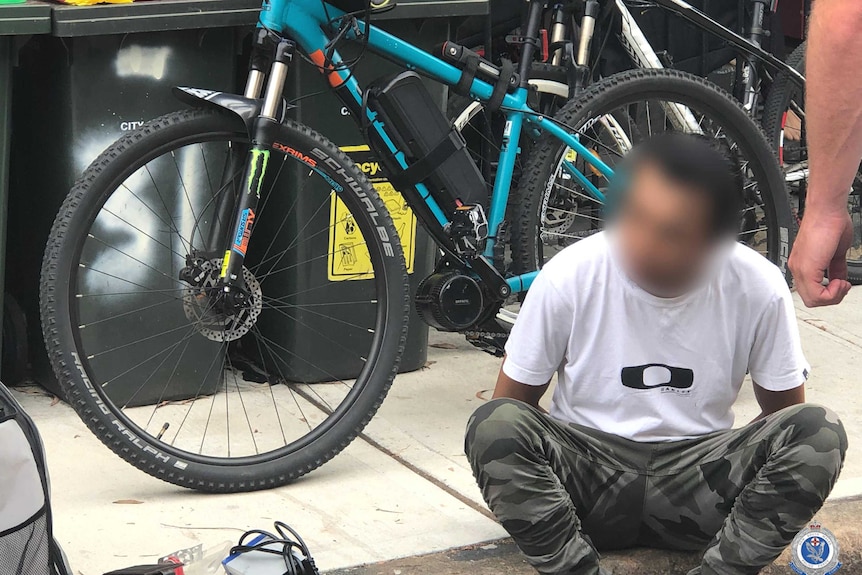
(815, 551)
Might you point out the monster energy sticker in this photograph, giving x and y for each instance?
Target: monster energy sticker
(814, 551)
(259, 159)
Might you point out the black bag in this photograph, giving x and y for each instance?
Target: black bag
(27, 545)
(435, 152)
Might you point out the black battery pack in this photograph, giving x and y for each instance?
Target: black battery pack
(435, 151)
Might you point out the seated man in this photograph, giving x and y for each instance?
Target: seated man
(651, 328)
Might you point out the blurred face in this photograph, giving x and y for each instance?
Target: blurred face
(664, 234)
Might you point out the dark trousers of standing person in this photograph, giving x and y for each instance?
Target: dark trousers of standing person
(564, 490)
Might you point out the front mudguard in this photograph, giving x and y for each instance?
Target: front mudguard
(246, 109)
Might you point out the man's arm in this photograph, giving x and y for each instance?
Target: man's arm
(772, 401)
(776, 362)
(833, 115)
(538, 342)
(508, 387)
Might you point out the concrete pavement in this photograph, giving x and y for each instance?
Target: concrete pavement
(494, 558)
(405, 490)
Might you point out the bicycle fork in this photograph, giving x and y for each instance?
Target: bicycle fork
(750, 75)
(262, 139)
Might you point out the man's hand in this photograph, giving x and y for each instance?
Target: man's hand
(821, 246)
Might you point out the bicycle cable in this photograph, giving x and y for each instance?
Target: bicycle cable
(347, 22)
(280, 544)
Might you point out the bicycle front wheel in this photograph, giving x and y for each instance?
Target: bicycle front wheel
(196, 393)
(554, 209)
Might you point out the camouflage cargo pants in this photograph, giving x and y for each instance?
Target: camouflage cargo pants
(562, 491)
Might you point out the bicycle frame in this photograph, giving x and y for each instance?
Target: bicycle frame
(701, 20)
(644, 56)
(304, 21)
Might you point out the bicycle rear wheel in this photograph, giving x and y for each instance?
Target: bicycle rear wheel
(553, 210)
(194, 393)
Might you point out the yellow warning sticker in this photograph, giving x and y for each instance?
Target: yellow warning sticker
(348, 257)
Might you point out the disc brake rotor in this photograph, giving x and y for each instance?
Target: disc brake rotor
(557, 219)
(207, 317)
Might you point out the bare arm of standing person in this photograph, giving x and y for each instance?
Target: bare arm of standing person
(833, 116)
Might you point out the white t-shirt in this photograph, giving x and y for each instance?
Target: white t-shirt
(649, 368)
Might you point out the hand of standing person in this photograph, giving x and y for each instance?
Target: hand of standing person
(820, 251)
(833, 111)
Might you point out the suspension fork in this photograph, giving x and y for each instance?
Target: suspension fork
(751, 79)
(263, 44)
(558, 34)
(262, 139)
(578, 63)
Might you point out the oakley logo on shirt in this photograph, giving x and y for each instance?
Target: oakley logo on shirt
(656, 375)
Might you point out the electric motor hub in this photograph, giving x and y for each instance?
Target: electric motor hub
(450, 301)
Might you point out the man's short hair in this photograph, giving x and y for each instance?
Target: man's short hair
(701, 164)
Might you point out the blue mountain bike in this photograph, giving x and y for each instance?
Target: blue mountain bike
(224, 293)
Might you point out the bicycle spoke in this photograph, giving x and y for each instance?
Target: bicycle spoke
(137, 229)
(125, 313)
(242, 404)
(147, 359)
(318, 332)
(212, 405)
(257, 266)
(161, 397)
(296, 356)
(131, 257)
(283, 380)
(196, 396)
(287, 215)
(136, 342)
(185, 340)
(188, 199)
(262, 277)
(172, 225)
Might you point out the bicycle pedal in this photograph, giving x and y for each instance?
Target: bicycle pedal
(506, 318)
